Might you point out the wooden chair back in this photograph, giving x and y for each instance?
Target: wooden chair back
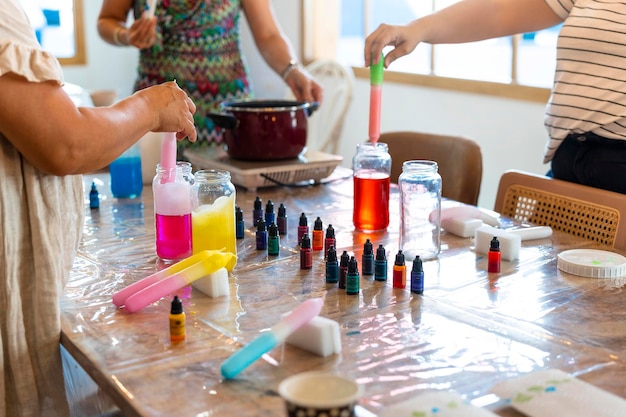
(592, 213)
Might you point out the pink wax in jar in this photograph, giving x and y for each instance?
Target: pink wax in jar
(172, 211)
(173, 236)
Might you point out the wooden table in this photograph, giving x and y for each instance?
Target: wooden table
(467, 332)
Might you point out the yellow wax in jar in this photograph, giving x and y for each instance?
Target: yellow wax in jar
(213, 226)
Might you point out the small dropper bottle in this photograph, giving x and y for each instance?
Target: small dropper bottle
(343, 269)
(273, 240)
(417, 276)
(261, 235)
(318, 234)
(270, 216)
(306, 254)
(399, 271)
(239, 223)
(281, 220)
(257, 212)
(367, 259)
(353, 285)
(380, 264)
(332, 266)
(494, 256)
(177, 321)
(94, 197)
(303, 227)
(330, 239)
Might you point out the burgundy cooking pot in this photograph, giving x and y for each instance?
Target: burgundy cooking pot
(262, 130)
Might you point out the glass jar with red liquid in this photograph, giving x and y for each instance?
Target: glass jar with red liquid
(172, 189)
(372, 168)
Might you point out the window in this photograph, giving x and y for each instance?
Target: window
(519, 66)
(59, 28)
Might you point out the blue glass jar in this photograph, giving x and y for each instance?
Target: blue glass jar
(126, 176)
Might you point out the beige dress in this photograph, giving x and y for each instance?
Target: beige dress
(41, 219)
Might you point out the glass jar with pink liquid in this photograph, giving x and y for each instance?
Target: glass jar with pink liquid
(372, 168)
(172, 211)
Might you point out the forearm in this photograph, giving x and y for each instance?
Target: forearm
(113, 31)
(70, 140)
(276, 52)
(473, 20)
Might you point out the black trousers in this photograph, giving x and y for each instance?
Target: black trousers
(589, 159)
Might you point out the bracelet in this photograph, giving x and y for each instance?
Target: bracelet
(293, 65)
(116, 36)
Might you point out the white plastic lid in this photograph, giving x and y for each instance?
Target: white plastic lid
(592, 263)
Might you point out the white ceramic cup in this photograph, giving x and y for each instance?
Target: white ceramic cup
(319, 394)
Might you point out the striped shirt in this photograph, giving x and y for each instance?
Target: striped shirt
(589, 92)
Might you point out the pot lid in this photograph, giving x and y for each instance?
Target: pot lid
(265, 105)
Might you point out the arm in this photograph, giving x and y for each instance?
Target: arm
(277, 51)
(57, 137)
(465, 21)
(112, 25)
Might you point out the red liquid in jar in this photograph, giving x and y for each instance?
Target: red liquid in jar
(173, 237)
(371, 202)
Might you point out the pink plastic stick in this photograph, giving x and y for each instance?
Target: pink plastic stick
(300, 316)
(375, 100)
(174, 282)
(120, 297)
(168, 155)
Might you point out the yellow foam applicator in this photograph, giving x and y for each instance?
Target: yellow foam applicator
(148, 290)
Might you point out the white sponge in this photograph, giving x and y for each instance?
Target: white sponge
(459, 226)
(320, 336)
(214, 285)
(510, 243)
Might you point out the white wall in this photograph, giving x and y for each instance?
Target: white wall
(510, 132)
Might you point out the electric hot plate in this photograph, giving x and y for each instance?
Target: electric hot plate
(311, 166)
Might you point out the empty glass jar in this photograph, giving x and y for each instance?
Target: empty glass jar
(420, 209)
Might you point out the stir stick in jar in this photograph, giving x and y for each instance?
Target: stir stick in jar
(168, 156)
(376, 87)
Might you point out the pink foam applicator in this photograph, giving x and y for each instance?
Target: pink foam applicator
(150, 289)
(266, 341)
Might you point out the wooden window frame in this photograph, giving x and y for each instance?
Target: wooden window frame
(80, 55)
(317, 22)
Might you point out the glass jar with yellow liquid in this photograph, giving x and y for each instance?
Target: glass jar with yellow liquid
(213, 211)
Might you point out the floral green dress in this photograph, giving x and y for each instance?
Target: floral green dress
(198, 45)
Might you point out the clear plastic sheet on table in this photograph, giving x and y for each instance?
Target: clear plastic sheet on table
(466, 333)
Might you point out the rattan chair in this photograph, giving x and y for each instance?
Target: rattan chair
(459, 160)
(579, 210)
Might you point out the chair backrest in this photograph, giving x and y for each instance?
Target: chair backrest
(324, 126)
(588, 212)
(459, 160)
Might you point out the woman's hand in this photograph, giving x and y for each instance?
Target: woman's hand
(304, 86)
(174, 109)
(142, 33)
(402, 38)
